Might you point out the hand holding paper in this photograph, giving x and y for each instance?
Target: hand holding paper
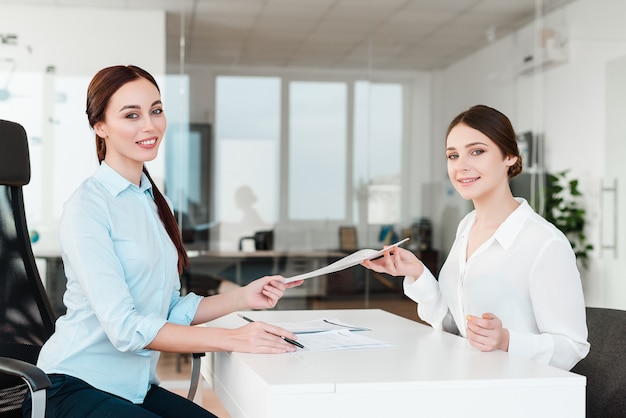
(353, 259)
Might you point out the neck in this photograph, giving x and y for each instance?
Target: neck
(492, 211)
(130, 171)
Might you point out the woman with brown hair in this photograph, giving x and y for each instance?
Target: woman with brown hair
(510, 281)
(123, 253)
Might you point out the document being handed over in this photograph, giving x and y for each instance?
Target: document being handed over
(353, 259)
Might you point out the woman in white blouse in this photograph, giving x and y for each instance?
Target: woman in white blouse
(510, 281)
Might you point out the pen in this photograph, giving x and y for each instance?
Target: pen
(289, 340)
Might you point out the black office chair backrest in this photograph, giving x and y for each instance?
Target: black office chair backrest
(605, 365)
(26, 317)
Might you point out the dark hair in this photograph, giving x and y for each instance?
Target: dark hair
(497, 127)
(102, 86)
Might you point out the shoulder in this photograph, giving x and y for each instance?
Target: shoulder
(89, 204)
(89, 193)
(538, 225)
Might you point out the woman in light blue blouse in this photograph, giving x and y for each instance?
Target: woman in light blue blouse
(510, 281)
(123, 253)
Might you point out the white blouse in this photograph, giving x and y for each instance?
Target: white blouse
(525, 274)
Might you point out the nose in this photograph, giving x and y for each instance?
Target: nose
(147, 125)
(461, 164)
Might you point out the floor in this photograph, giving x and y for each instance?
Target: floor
(177, 381)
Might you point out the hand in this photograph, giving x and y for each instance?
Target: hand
(265, 292)
(487, 333)
(260, 337)
(396, 262)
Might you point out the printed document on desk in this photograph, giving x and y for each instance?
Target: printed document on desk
(332, 334)
(318, 325)
(339, 340)
(353, 259)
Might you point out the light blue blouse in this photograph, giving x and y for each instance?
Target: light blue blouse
(122, 287)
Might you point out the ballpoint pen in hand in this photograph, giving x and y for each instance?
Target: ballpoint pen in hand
(289, 340)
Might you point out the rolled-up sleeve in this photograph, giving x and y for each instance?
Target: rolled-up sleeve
(183, 309)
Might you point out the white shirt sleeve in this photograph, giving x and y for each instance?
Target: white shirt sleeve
(431, 306)
(558, 304)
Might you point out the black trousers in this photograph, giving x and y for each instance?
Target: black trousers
(72, 397)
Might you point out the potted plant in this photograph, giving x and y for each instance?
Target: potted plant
(563, 208)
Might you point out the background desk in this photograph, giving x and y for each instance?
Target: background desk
(242, 267)
(428, 374)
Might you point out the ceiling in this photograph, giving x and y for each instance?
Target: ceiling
(396, 35)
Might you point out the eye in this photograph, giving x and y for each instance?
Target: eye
(477, 152)
(452, 156)
(132, 115)
(157, 111)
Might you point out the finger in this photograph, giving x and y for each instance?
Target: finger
(390, 263)
(482, 342)
(274, 344)
(278, 290)
(475, 328)
(293, 284)
(280, 332)
(479, 322)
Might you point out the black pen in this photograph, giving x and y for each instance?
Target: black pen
(289, 340)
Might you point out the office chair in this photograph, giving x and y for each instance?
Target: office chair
(26, 316)
(605, 365)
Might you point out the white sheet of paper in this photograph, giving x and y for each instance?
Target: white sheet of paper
(353, 259)
(339, 340)
(318, 325)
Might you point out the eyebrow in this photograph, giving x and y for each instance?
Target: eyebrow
(156, 102)
(472, 144)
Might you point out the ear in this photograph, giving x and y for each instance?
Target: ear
(510, 160)
(100, 129)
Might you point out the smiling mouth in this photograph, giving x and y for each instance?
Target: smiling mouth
(468, 181)
(147, 142)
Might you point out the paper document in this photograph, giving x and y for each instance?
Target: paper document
(318, 325)
(353, 259)
(339, 340)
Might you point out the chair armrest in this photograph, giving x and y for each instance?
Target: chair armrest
(195, 375)
(36, 378)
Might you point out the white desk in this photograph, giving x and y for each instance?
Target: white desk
(428, 374)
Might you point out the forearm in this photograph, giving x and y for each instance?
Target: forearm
(175, 338)
(212, 307)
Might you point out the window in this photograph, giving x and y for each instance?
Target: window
(317, 150)
(378, 118)
(247, 163)
(341, 163)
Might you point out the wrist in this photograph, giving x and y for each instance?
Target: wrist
(504, 345)
(238, 301)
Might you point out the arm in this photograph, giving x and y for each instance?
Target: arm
(559, 313)
(559, 307)
(419, 284)
(257, 337)
(262, 293)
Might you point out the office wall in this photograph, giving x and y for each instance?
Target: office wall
(56, 53)
(565, 103)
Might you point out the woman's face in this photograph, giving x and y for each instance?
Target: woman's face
(133, 126)
(476, 166)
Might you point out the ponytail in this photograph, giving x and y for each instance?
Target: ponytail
(170, 224)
